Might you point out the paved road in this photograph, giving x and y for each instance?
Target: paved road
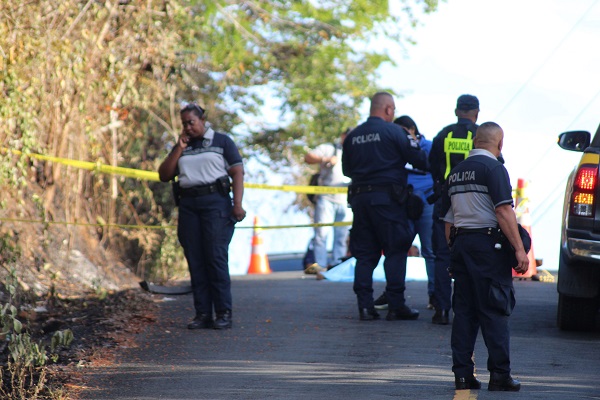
(298, 338)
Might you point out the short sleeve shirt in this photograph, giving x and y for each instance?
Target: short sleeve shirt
(476, 187)
(331, 175)
(205, 160)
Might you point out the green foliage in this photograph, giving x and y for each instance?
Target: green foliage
(102, 81)
(10, 251)
(61, 339)
(171, 259)
(24, 376)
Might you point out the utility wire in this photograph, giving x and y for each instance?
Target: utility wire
(583, 110)
(549, 148)
(550, 199)
(547, 59)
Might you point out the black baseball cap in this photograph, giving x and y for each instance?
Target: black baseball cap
(467, 102)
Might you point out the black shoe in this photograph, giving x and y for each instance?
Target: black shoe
(223, 320)
(381, 303)
(403, 312)
(441, 317)
(367, 314)
(202, 321)
(469, 382)
(503, 383)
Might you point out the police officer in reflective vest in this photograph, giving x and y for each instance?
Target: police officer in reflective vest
(374, 157)
(479, 201)
(451, 146)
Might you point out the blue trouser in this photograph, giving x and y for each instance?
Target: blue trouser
(443, 282)
(329, 211)
(424, 228)
(380, 224)
(204, 231)
(483, 297)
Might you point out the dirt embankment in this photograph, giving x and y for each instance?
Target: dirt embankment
(66, 278)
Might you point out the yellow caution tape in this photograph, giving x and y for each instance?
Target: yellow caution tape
(153, 176)
(126, 226)
(299, 189)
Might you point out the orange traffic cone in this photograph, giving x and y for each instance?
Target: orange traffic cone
(524, 218)
(259, 263)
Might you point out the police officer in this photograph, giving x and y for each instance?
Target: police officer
(374, 157)
(479, 197)
(204, 160)
(451, 145)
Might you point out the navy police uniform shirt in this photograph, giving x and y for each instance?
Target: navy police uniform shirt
(376, 152)
(437, 156)
(475, 188)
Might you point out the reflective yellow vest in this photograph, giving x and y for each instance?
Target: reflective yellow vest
(456, 146)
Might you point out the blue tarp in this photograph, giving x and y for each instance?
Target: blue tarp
(344, 272)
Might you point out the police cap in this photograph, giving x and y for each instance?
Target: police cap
(467, 102)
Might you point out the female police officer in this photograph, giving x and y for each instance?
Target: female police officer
(203, 160)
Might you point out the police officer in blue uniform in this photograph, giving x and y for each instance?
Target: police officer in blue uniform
(374, 157)
(204, 160)
(451, 146)
(479, 201)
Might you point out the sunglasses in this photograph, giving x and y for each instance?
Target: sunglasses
(193, 107)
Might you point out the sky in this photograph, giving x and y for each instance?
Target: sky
(533, 64)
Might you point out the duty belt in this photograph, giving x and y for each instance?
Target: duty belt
(486, 231)
(369, 188)
(196, 191)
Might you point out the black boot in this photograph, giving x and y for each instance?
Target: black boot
(402, 313)
(503, 383)
(201, 321)
(441, 317)
(469, 382)
(367, 314)
(224, 320)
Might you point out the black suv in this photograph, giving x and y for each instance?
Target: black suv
(579, 263)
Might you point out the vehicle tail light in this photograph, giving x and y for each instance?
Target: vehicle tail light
(584, 189)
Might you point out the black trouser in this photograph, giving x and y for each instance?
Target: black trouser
(205, 231)
(483, 297)
(442, 283)
(380, 224)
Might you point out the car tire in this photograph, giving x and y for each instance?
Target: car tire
(576, 313)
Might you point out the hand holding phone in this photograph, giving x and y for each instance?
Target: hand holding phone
(183, 140)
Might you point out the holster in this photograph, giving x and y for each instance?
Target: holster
(176, 192)
(525, 238)
(414, 204)
(400, 193)
(224, 185)
(452, 237)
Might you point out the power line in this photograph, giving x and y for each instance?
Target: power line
(583, 110)
(547, 59)
(549, 200)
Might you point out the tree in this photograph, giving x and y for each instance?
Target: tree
(102, 81)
